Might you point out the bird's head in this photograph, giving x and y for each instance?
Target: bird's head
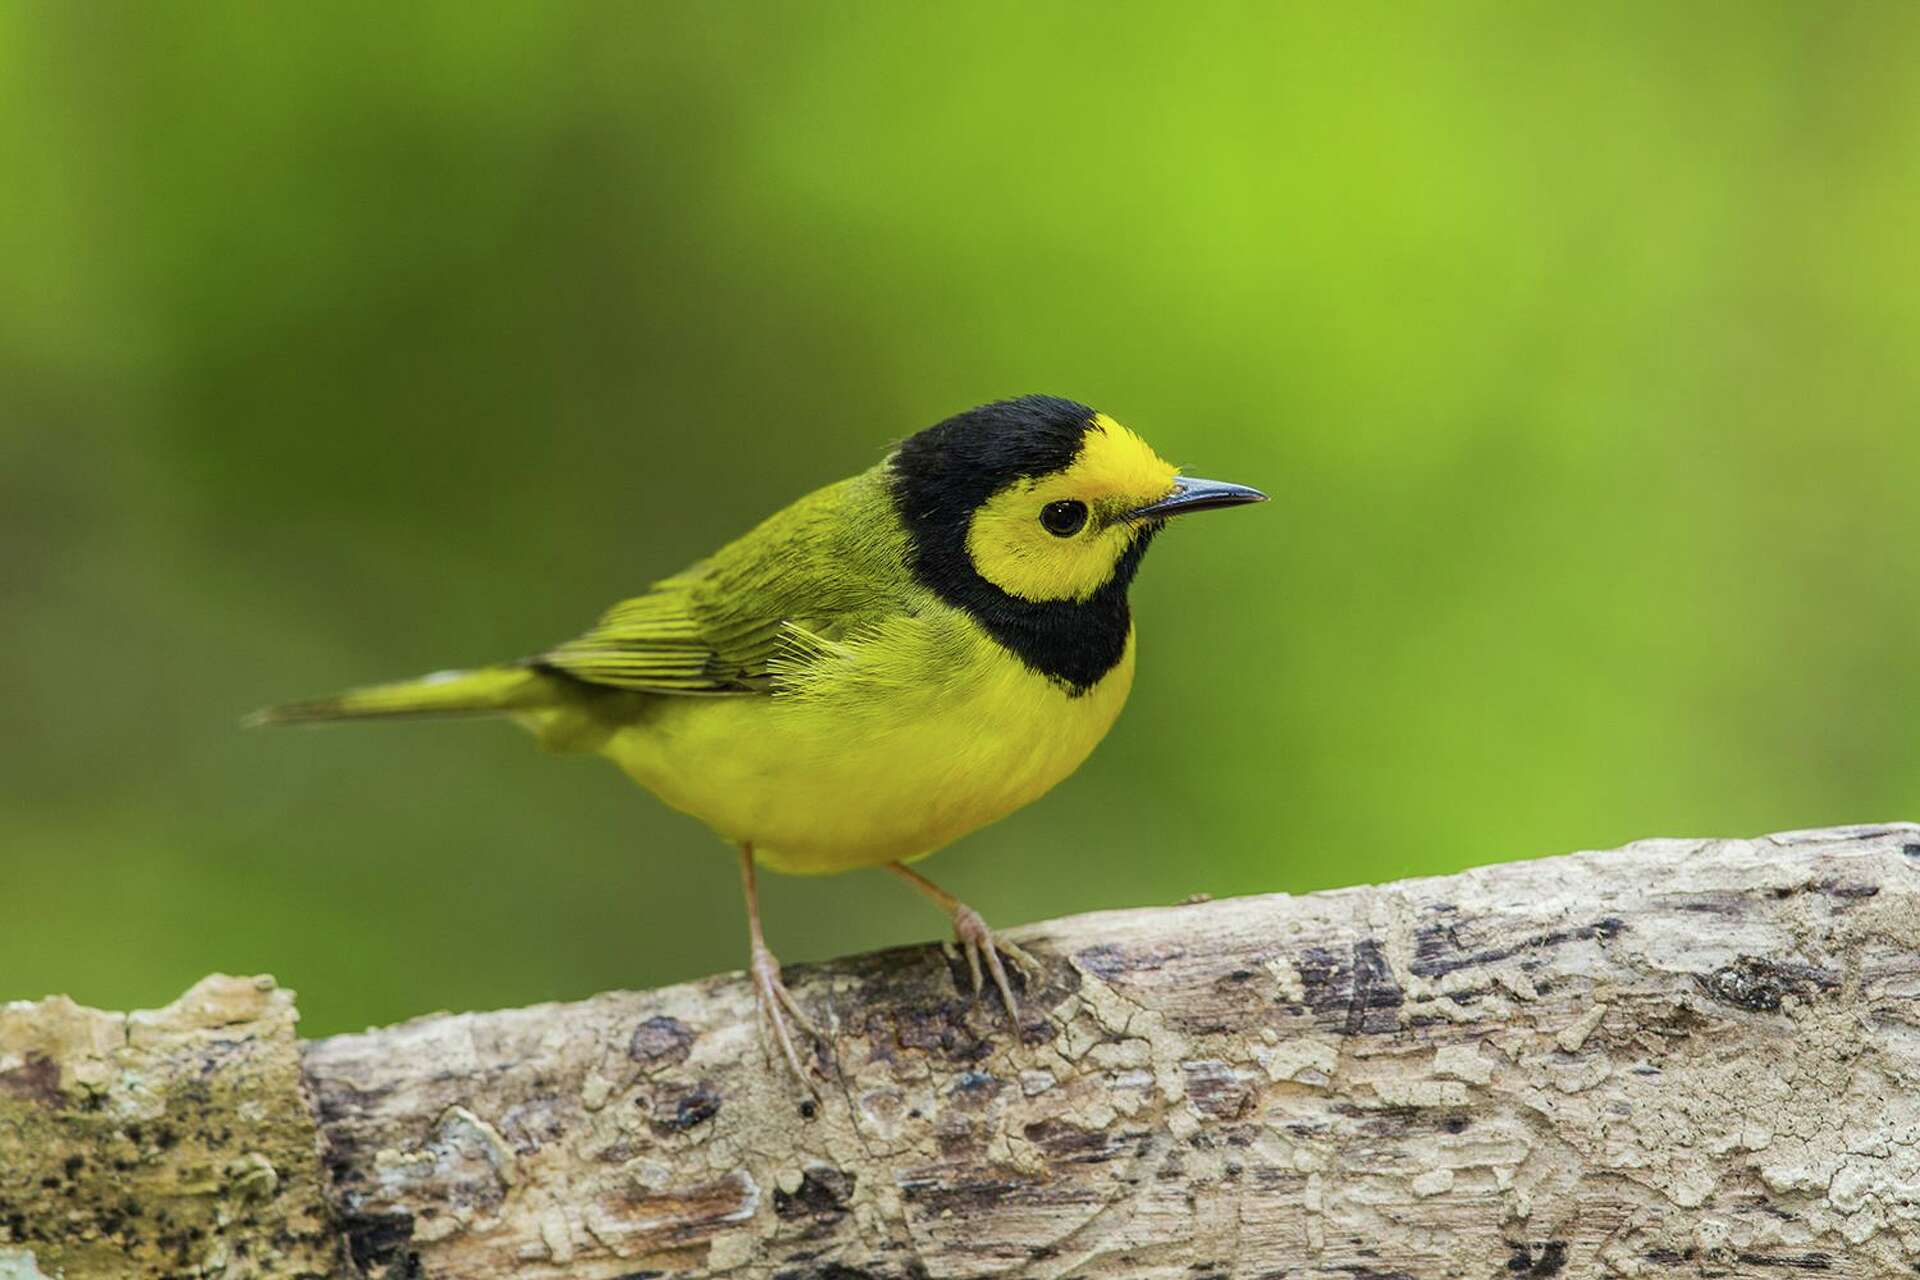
(1032, 515)
(1042, 499)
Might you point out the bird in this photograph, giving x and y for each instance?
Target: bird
(880, 668)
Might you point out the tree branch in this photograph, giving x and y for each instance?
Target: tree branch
(1692, 1057)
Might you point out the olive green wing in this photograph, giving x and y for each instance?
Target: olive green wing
(759, 611)
(657, 643)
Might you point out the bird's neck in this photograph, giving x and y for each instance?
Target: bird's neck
(1074, 643)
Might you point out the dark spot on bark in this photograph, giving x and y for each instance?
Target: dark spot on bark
(841, 1271)
(1550, 1261)
(74, 1164)
(1109, 960)
(962, 977)
(1394, 1122)
(1793, 1262)
(1034, 1030)
(1911, 850)
(1455, 1124)
(974, 1196)
(36, 1080)
(338, 1153)
(681, 1109)
(381, 1240)
(1745, 985)
(807, 1108)
(1471, 995)
(1438, 951)
(685, 1215)
(1071, 1144)
(976, 1083)
(1355, 991)
(530, 1125)
(335, 1099)
(940, 1029)
(660, 1041)
(1830, 887)
(1217, 1090)
(1759, 985)
(823, 1193)
(912, 998)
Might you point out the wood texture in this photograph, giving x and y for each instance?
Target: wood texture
(1679, 1058)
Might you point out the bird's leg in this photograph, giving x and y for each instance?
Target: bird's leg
(974, 937)
(775, 1001)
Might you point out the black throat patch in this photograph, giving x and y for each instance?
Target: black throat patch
(943, 474)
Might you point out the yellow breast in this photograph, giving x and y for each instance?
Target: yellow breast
(905, 742)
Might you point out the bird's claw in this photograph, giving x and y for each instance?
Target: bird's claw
(777, 1005)
(977, 941)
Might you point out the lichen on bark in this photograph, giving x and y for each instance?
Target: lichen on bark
(172, 1142)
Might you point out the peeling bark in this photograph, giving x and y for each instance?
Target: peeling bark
(173, 1142)
(1678, 1058)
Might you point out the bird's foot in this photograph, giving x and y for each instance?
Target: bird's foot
(978, 942)
(777, 1006)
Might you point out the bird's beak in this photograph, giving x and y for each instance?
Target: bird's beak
(1191, 494)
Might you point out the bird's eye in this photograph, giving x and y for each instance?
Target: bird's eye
(1064, 519)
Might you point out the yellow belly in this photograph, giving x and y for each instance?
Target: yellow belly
(894, 772)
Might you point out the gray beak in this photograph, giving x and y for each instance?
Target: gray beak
(1192, 494)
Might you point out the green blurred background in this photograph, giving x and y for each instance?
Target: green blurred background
(1576, 344)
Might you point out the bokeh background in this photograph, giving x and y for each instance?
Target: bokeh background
(1578, 345)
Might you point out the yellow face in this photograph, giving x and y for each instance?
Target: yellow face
(1059, 536)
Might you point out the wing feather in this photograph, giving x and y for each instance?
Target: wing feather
(753, 615)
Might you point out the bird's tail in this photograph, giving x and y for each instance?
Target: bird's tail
(482, 691)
